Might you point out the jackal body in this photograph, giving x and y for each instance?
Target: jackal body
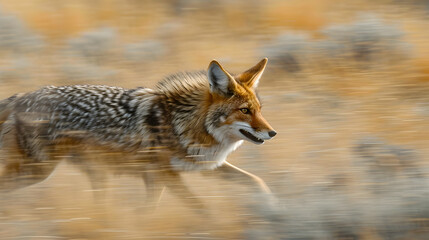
(189, 121)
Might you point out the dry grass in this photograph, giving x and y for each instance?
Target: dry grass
(339, 119)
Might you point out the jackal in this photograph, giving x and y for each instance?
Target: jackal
(190, 121)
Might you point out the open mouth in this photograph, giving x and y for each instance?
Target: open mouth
(251, 136)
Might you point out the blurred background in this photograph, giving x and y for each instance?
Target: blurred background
(347, 89)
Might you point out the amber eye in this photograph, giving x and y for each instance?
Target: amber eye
(245, 110)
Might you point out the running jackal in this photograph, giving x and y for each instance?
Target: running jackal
(190, 121)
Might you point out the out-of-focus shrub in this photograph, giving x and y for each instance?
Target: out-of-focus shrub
(147, 50)
(367, 39)
(17, 43)
(392, 199)
(94, 46)
(16, 37)
(383, 162)
(82, 73)
(289, 50)
(361, 44)
(397, 185)
(15, 69)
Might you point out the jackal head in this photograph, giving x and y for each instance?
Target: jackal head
(235, 109)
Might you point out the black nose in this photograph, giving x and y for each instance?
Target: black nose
(272, 133)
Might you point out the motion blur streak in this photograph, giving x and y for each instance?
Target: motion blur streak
(346, 89)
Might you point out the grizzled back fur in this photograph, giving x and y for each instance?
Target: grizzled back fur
(120, 118)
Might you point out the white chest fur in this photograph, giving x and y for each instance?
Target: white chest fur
(204, 157)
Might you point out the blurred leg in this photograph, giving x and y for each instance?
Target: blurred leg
(178, 188)
(96, 172)
(19, 169)
(228, 170)
(154, 189)
(19, 175)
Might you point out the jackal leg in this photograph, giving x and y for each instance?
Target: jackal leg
(95, 169)
(178, 188)
(18, 175)
(154, 188)
(157, 180)
(19, 169)
(228, 170)
(97, 178)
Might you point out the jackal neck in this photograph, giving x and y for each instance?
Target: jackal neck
(186, 96)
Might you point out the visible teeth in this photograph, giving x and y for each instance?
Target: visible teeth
(251, 136)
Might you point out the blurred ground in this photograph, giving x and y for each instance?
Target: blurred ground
(346, 89)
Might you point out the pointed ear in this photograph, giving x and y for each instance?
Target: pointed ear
(251, 77)
(221, 82)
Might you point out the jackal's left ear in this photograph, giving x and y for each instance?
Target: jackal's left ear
(251, 77)
(221, 82)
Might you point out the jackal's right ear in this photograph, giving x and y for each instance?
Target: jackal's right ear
(221, 82)
(251, 77)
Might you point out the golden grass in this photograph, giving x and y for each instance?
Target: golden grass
(58, 20)
(318, 115)
(298, 15)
